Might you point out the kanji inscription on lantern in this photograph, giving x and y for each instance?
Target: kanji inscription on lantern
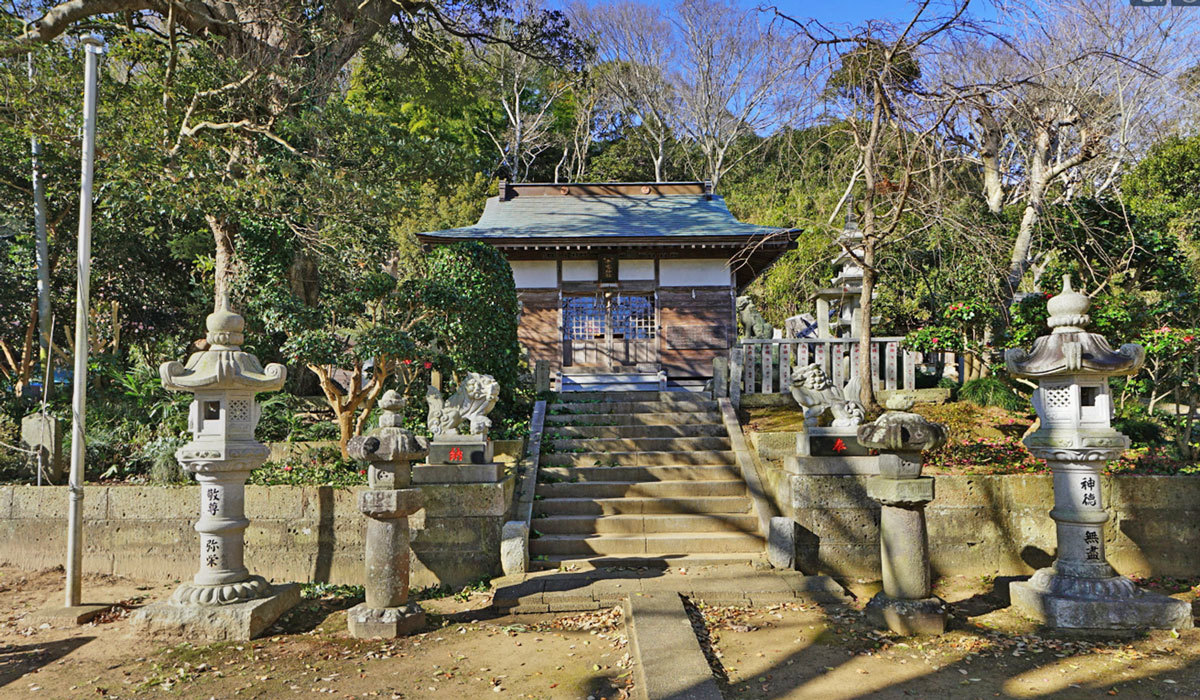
(1089, 499)
(1091, 537)
(213, 500)
(456, 454)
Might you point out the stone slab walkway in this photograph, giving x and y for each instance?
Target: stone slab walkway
(595, 589)
(670, 663)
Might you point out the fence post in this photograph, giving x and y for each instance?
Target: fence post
(735, 377)
(720, 379)
(768, 365)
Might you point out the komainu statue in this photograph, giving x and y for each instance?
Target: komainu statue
(476, 396)
(753, 323)
(815, 395)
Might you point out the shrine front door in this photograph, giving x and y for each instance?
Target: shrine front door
(609, 331)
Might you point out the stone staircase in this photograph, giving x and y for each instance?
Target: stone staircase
(640, 478)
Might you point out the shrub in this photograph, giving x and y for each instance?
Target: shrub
(993, 391)
(319, 467)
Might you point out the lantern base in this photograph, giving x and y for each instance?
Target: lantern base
(232, 621)
(223, 593)
(903, 616)
(384, 623)
(1113, 603)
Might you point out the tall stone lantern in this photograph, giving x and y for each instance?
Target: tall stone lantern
(1080, 590)
(223, 600)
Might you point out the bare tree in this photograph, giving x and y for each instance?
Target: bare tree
(634, 44)
(873, 77)
(528, 90)
(1076, 91)
(735, 76)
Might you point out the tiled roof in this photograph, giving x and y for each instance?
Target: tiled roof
(604, 216)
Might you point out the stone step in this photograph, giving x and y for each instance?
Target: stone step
(644, 524)
(636, 459)
(609, 445)
(616, 419)
(671, 405)
(642, 506)
(576, 432)
(720, 472)
(662, 543)
(629, 387)
(647, 561)
(642, 489)
(640, 395)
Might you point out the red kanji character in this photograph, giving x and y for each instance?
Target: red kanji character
(456, 454)
(839, 446)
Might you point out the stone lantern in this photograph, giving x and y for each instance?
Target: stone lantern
(1080, 590)
(907, 604)
(223, 600)
(387, 503)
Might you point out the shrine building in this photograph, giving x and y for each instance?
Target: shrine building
(624, 280)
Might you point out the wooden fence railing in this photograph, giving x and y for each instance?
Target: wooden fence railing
(767, 364)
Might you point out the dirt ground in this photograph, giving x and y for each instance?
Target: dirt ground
(802, 651)
(795, 650)
(466, 652)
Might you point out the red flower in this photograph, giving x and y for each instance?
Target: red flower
(933, 340)
(407, 361)
(362, 471)
(1188, 338)
(428, 364)
(287, 467)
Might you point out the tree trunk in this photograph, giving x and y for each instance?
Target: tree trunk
(1019, 262)
(345, 421)
(989, 154)
(866, 391)
(224, 232)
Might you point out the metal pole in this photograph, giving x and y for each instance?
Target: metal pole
(43, 248)
(93, 47)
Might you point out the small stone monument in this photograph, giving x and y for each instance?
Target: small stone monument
(223, 601)
(455, 457)
(43, 435)
(1080, 590)
(906, 605)
(387, 503)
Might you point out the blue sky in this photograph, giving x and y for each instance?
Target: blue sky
(859, 11)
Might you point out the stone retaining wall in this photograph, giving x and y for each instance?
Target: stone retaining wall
(978, 525)
(981, 525)
(296, 533)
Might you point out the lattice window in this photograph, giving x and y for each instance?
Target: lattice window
(583, 318)
(1057, 397)
(239, 411)
(633, 316)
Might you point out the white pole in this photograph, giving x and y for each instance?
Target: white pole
(93, 47)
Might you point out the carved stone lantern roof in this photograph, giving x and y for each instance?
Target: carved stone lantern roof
(898, 430)
(1070, 349)
(223, 366)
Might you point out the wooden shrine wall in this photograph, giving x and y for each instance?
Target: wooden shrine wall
(538, 330)
(696, 325)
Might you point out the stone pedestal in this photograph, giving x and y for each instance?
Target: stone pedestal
(43, 435)
(459, 459)
(223, 600)
(1080, 590)
(389, 450)
(386, 611)
(906, 605)
(832, 441)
